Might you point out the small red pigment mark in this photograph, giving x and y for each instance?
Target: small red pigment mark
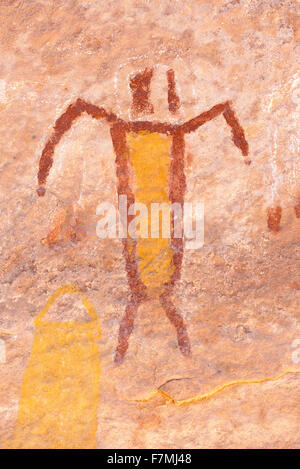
(274, 217)
(67, 226)
(297, 208)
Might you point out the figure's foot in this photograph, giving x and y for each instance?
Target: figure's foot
(41, 191)
(119, 357)
(121, 349)
(184, 342)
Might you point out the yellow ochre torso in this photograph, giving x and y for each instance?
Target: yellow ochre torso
(150, 158)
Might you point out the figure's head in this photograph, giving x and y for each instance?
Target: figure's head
(140, 88)
(162, 91)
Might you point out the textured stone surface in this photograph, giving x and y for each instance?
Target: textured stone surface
(239, 293)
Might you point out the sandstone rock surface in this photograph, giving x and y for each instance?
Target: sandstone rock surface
(239, 293)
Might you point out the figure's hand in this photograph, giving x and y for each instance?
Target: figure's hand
(41, 191)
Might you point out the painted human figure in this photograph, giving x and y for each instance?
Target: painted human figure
(154, 152)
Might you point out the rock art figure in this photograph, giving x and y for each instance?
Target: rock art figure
(154, 152)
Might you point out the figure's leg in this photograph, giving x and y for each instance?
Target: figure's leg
(126, 328)
(176, 319)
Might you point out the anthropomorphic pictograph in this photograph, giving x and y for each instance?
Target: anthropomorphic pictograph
(154, 151)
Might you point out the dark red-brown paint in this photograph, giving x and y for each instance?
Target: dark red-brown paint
(140, 86)
(297, 207)
(273, 218)
(173, 99)
(274, 215)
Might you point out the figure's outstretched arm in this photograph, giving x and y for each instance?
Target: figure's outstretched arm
(62, 125)
(238, 134)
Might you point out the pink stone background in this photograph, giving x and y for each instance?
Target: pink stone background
(239, 294)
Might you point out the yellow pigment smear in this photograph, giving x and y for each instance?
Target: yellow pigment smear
(60, 392)
(150, 158)
(217, 390)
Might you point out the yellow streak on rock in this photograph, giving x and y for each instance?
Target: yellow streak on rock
(215, 391)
